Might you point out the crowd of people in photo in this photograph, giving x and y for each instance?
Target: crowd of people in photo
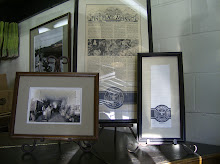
(53, 111)
(112, 47)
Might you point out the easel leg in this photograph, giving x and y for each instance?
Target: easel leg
(59, 145)
(133, 133)
(100, 131)
(115, 134)
(27, 148)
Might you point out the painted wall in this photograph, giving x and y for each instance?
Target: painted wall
(193, 27)
(21, 64)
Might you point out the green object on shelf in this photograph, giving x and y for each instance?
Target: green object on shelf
(13, 40)
(10, 39)
(1, 35)
(5, 43)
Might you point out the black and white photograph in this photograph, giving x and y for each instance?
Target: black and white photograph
(47, 44)
(56, 105)
(50, 49)
(49, 105)
(113, 47)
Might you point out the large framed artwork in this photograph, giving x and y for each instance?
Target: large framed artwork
(56, 106)
(50, 46)
(109, 34)
(161, 113)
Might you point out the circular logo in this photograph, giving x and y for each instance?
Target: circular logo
(162, 113)
(114, 98)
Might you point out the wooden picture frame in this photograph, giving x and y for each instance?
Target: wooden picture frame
(161, 112)
(108, 36)
(50, 45)
(60, 106)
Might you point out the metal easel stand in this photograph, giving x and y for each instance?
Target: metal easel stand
(188, 148)
(57, 67)
(87, 147)
(115, 125)
(27, 148)
(84, 145)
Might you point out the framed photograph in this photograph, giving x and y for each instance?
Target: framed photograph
(56, 106)
(50, 46)
(161, 113)
(108, 36)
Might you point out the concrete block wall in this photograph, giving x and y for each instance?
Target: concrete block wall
(193, 27)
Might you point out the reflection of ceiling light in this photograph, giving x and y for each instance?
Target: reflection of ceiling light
(117, 64)
(136, 6)
(61, 23)
(116, 83)
(125, 117)
(43, 29)
(103, 80)
(112, 115)
(176, 147)
(107, 76)
(151, 135)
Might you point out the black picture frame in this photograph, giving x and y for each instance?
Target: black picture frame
(50, 45)
(80, 46)
(148, 130)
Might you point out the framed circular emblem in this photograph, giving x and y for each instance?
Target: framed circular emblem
(162, 113)
(114, 98)
(161, 109)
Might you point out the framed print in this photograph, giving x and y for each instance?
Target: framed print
(161, 113)
(50, 46)
(55, 106)
(110, 34)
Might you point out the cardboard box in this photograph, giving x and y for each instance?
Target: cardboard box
(3, 82)
(4, 120)
(5, 103)
(6, 100)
